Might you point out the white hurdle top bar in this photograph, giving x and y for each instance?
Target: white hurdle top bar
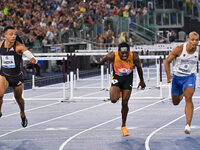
(58, 56)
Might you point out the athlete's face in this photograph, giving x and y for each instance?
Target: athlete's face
(123, 55)
(193, 41)
(10, 35)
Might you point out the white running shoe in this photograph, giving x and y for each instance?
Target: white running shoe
(187, 129)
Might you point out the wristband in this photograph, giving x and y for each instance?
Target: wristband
(29, 55)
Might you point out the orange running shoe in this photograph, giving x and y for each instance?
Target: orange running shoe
(125, 132)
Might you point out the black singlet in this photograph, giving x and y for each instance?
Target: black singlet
(10, 60)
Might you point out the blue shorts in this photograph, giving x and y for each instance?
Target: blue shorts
(179, 83)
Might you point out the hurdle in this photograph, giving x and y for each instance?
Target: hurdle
(158, 82)
(48, 58)
(103, 53)
(70, 86)
(63, 87)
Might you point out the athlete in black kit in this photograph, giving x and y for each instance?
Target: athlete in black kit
(11, 50)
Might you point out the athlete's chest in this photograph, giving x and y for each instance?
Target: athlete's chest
(8, 51)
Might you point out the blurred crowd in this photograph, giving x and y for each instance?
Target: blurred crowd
(45, 21)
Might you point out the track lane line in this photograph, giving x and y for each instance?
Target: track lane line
(62, 116)
(147, 147)
(91, 128)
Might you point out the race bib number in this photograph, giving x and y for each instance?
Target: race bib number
(124, 71)
(185, 68)
(114, 81)
(8, 61)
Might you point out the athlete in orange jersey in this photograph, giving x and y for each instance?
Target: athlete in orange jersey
(123, 62)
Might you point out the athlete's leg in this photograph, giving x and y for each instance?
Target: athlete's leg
(114, 93)
(177, 99)
(3, 86)
(18, 96)
(176, 92)
(124, 111)
(189, 107)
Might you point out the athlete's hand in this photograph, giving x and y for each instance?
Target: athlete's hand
(95, 64)
(142, 84)
(33, 60)
(169, 78)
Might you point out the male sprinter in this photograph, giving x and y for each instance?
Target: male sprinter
(11, 50)
(123, 62)
(185, 59)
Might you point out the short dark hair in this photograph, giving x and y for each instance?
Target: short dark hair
(7, 28)
(124, 46)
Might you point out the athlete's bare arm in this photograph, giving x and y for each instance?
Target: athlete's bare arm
(110, 56)
(21, 48)
(1, 43)
(199, 54)
(137, 63)
(175, 53)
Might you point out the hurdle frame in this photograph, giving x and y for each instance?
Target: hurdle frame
(158, 65)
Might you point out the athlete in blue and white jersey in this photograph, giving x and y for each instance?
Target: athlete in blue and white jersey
(184, 59)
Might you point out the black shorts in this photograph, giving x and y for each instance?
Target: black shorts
(123, 82)
(13, 81)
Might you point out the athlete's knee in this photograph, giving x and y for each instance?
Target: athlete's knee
(188, 100)
(18, 97)
(188, 97)
(114, 100)
(124, 103)
(175, 100)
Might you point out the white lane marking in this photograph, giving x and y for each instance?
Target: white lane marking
(84, 96)
(20, 129)
(42, 106)
(30, 109)
(86, 130)
(33, 125)
(155, 131)
(8, 103)
(53, 92)
(195, 127)
(56, 129)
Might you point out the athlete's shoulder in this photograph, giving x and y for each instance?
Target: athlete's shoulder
(115, 52)
(111, 55)
(135, 54)
(131, 53)
(20, 45)
(180, 46)
(20, 48)
(178, 50)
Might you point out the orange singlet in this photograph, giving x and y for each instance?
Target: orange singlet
(121, 67)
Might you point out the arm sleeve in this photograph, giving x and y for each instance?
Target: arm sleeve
(29, 55)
